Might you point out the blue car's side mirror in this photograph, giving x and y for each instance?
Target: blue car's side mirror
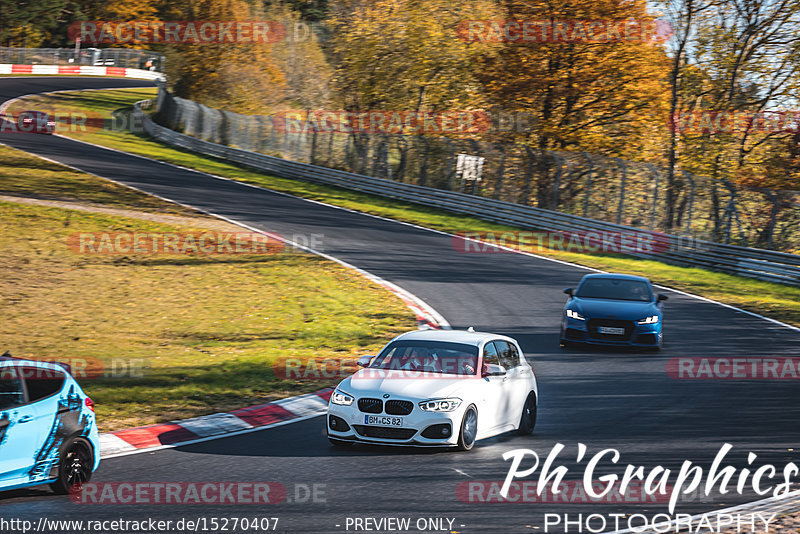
(568, 291)
(661, 297)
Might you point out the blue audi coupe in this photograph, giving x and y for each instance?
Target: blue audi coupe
(613, 309)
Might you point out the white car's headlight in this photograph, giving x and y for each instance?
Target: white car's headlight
(648, 320)
(341, 398)
(440, 405)
(572, 314)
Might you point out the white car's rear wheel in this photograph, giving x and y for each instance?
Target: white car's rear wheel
(469, 429)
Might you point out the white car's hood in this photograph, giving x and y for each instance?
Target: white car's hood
(412, 385)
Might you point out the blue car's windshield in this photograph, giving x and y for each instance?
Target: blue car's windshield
(615, 289)
(429, 356)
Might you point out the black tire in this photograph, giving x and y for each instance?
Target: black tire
(469, 429)
(339, 442)
(528, 418)
(74, 467)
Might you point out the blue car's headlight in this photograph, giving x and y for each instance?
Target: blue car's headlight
(341, 398)
(572, 314)
(649, 320)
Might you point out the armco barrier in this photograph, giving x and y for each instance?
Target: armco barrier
(80, 70)
(750, 262)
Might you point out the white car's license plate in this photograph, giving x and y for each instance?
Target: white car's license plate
(611, 330)
(382, 420)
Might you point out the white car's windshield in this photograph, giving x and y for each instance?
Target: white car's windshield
(429, 356)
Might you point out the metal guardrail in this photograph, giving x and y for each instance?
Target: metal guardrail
(761, 264)
(105, 57)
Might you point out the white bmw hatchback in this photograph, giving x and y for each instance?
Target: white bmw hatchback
(436, 388)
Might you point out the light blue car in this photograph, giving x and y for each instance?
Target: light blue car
(48, 433)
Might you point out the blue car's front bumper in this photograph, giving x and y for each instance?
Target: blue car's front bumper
(588, 331)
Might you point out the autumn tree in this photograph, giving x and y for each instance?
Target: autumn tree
(596, 87)
(301, 59)
(604, 95)
(29, 23)
(741, 57)
(235, 76)
(405, 54)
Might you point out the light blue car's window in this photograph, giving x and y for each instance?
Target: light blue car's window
(11, 394)
(42, 382)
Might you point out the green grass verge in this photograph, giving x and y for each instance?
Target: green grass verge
(201, 332)
(775, 300)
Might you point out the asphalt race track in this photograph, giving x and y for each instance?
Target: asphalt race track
(622, 400)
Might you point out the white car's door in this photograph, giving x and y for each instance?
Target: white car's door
(518, 379)
(20, 437)
(492, 416)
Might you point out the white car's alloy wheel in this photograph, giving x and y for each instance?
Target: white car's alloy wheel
(469, 429)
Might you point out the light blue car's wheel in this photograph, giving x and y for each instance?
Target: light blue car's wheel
(74, 467)
(469, 429)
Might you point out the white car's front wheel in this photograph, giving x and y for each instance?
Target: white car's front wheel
(528, 419)
(469, 429)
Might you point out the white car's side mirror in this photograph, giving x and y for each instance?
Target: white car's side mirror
(364, 361)
(494, 370)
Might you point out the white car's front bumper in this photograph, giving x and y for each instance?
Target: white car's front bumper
(414, 425)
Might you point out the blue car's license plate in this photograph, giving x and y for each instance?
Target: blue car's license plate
(611, 330)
